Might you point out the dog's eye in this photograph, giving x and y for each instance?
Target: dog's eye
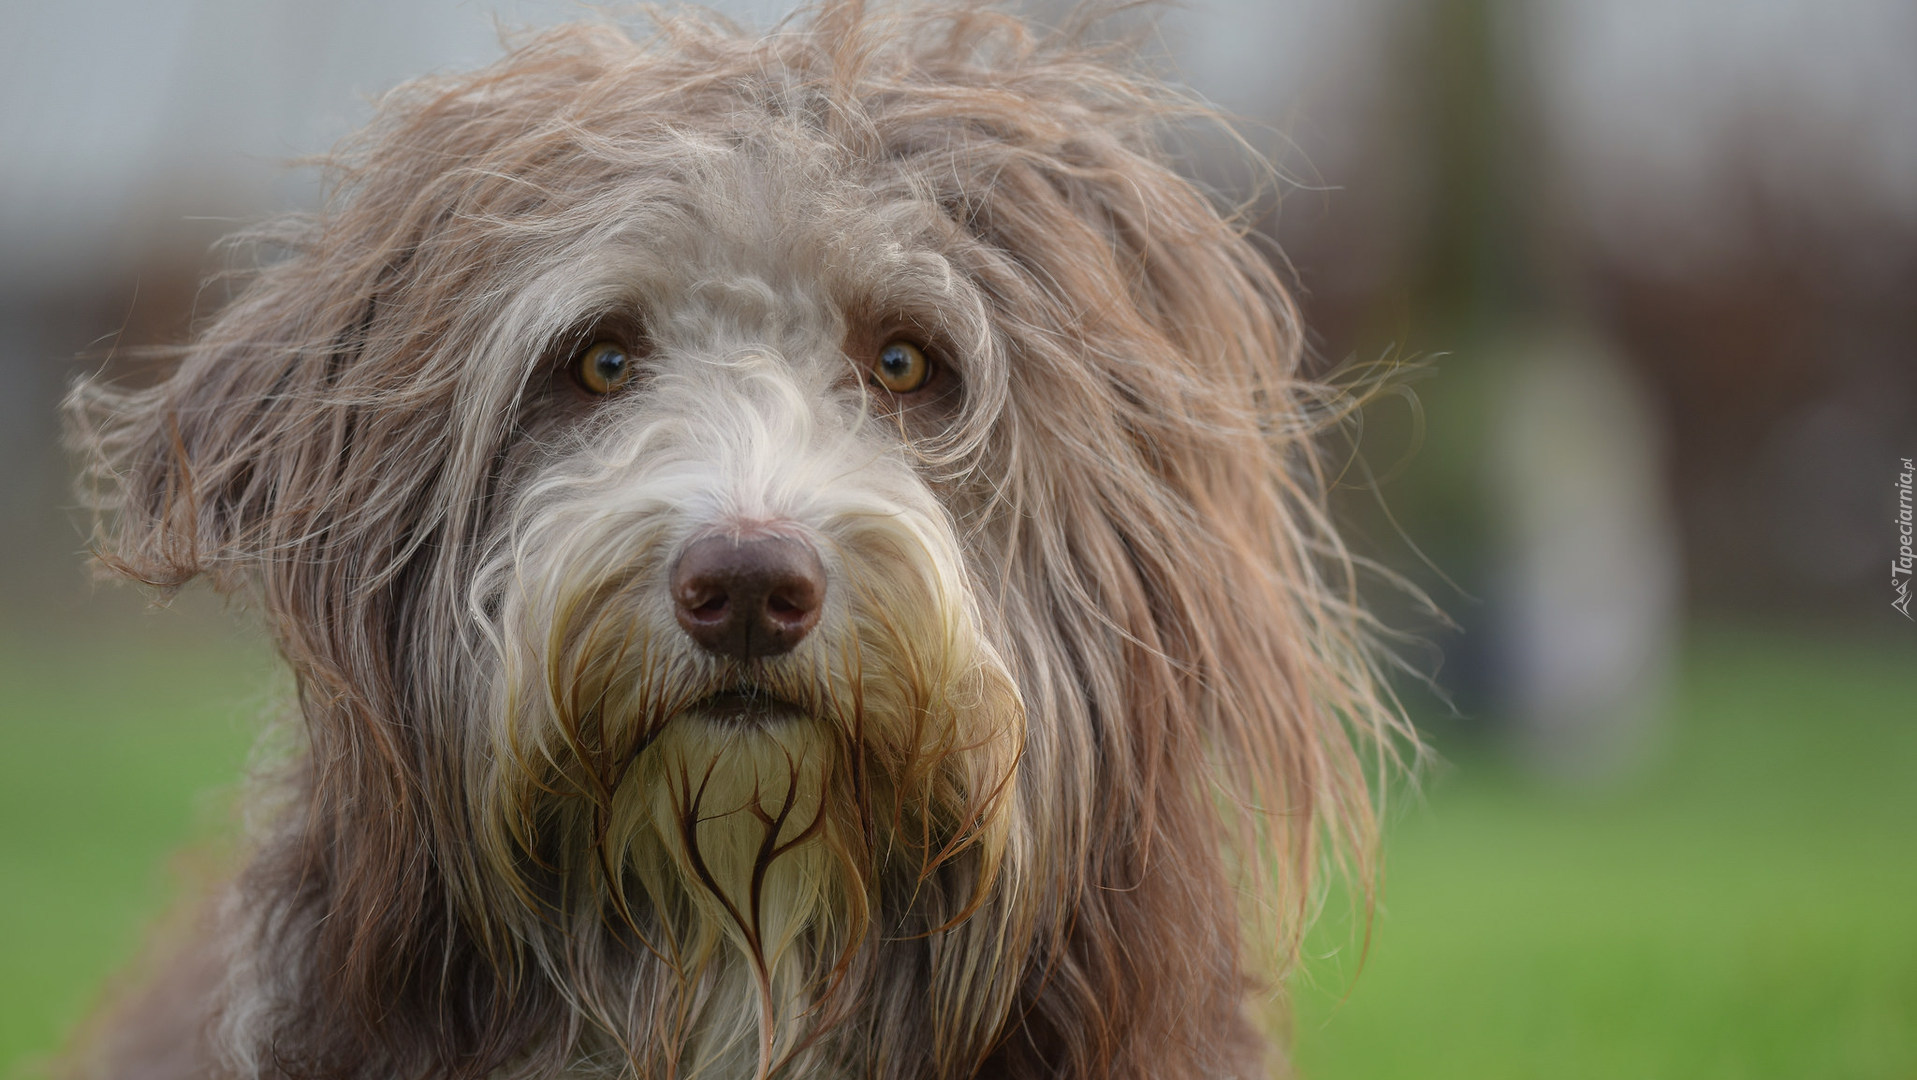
(902, 367)
(605, 367)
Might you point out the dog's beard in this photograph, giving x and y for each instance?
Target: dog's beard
(733, 825)
(742, 823)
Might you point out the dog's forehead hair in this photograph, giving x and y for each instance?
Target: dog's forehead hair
(773, 244)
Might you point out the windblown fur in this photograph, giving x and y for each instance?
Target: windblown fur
(1086, 704)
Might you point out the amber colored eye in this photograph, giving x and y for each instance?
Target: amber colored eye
(604, 368)
(902, 367)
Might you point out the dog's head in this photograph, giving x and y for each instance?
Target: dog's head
(798, 550)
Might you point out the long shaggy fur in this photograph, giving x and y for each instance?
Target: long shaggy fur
(1088, 700)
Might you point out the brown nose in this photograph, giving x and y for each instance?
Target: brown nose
(747, 598)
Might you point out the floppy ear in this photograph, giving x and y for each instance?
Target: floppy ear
(1198, 671)
(189, 475)
(319, 441)
(252, 462)
(276, 431)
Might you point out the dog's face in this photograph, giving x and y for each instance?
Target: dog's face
(737, 653)
(798, 554)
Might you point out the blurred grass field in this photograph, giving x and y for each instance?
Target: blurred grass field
(1745, 908)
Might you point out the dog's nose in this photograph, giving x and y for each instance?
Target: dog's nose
(747, 598)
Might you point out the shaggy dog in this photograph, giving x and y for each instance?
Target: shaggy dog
(801, 557)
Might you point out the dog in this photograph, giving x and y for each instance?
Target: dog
(801, 556)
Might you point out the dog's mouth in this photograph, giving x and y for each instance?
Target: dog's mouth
(745, 706)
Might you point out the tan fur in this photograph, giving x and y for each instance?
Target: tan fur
(1085, 704)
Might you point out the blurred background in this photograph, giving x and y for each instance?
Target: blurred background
(1646, 273)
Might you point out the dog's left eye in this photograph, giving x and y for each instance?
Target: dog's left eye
(604, 367)
(902, 367)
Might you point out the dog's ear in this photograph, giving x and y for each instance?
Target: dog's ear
(272, 440)
(1165, 473)
(311, 418)
(191, 474)
(303, 446)
(1192, 643)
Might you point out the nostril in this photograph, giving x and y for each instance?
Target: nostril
(758, 596)
(700, 593)
(795, 601)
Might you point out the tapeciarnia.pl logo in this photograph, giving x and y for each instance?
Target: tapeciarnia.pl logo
(1900, 567)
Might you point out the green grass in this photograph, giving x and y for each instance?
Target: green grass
(1746, 908)
(115, 754)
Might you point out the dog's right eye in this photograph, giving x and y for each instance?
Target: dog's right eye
(604, 368)
(902, 368)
